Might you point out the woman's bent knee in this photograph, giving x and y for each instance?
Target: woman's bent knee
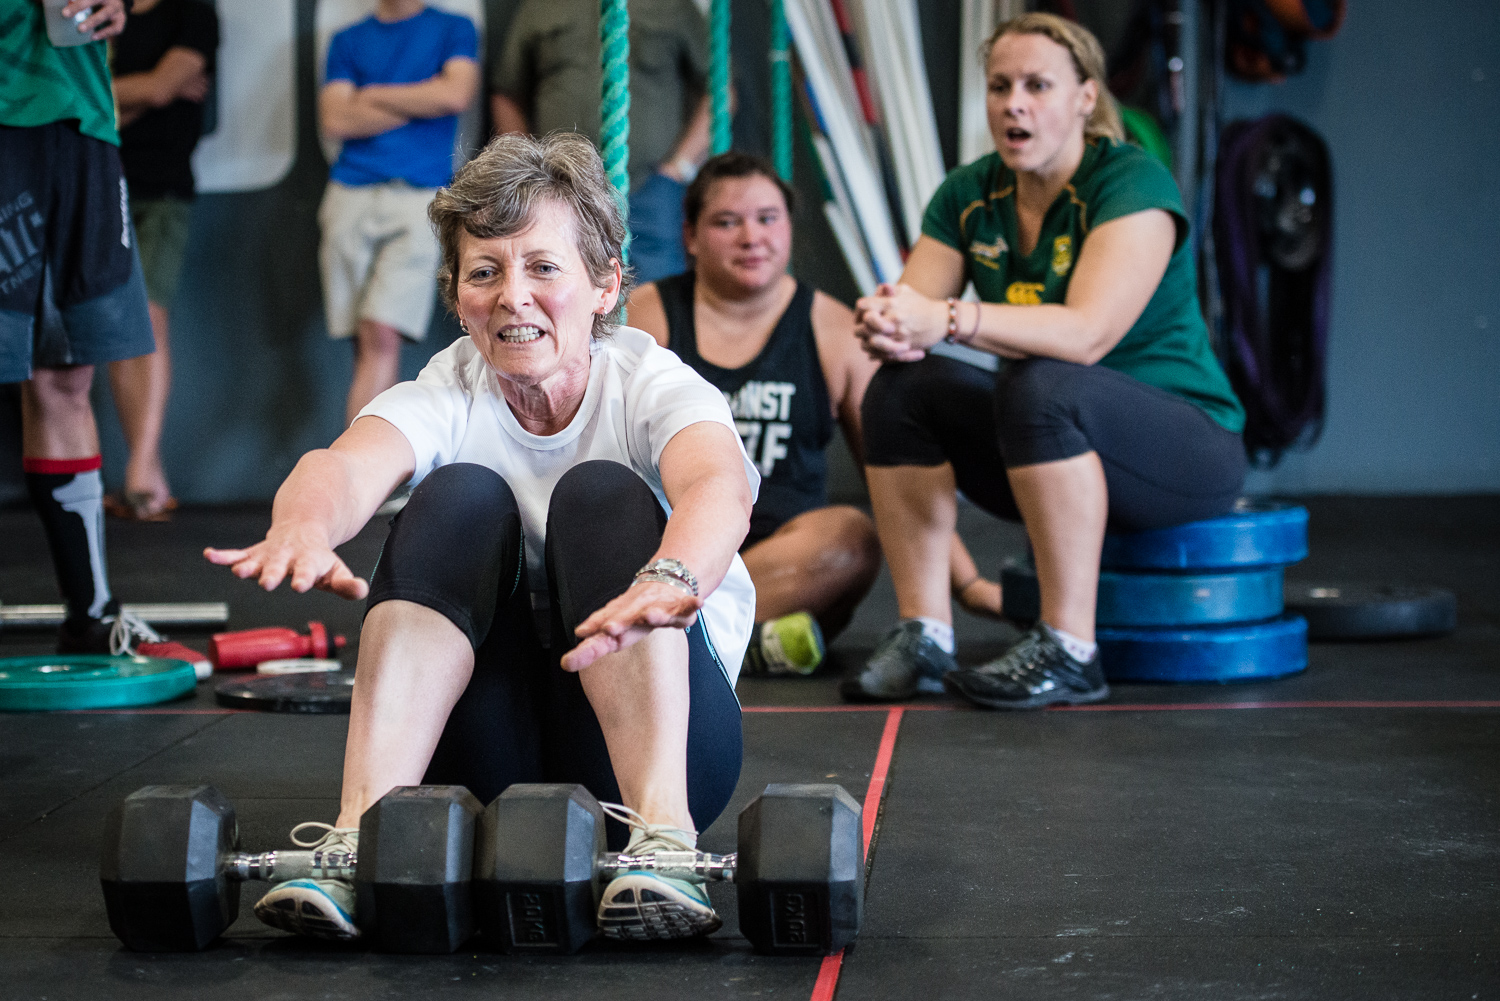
(454, 547)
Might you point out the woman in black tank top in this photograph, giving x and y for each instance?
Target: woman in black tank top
(787, 361)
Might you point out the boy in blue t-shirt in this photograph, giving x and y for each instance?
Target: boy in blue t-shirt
(395, 85)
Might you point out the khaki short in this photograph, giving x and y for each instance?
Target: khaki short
(379, 257)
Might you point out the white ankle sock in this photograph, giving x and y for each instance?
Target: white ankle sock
(1080, 650)
(939, 632)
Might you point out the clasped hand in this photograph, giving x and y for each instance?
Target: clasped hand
(299, 552)
(898, 323)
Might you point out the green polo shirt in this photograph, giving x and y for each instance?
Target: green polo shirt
(974, 212)
(43, 84)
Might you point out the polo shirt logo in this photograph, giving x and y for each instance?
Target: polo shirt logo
(1024, 293)
(1062, 255)
(988, 254)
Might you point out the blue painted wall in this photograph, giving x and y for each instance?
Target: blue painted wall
(1408, 99)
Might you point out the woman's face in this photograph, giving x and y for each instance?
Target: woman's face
(527, 299)
(1036, 106)
(743, 237)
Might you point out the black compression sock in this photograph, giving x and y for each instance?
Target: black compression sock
(68, 495)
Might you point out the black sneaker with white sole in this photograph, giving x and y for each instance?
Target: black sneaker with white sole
(1036, 672)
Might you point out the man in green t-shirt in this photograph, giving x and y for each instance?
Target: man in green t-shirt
(548, 80)
(71, 291)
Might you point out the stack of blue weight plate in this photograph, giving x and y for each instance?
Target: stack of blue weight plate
(1198, 602)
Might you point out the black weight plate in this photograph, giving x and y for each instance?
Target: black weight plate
(1371, 611)
(326, 692)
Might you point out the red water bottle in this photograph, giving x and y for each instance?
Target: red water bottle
(248, 647)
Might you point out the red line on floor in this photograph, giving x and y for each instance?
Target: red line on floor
(828, 974)
(1346, 704)
(1121, 707)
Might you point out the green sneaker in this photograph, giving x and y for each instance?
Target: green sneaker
(792, 644)
(646, 906)
(317, 908)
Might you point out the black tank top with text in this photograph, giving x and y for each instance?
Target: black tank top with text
(779, 399)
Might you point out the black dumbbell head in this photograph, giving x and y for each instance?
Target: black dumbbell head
(534, 873)
(416, 858)
(801, 872)
(164, 888)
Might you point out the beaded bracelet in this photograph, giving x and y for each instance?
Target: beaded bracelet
(952, 337)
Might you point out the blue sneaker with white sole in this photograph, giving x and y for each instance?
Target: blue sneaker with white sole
(317, 908)
(646, 906)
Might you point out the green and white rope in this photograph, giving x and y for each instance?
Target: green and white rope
(718, 76)
(614, 55)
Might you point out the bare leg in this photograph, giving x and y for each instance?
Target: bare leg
(377, 363)
(1065, 505)
(640, 697)
(140, 387)
(916, 508)
(978, 594)
(57, 419)
(413, 665)
(821, 561)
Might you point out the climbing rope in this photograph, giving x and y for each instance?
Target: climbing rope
(781, 91)
(614, 45)
(718, 76)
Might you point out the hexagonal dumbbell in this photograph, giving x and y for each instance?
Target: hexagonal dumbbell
(171, 872)
(541, 868)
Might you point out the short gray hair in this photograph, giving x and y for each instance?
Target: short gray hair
(497, 194)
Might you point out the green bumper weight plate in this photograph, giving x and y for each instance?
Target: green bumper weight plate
(91, 681)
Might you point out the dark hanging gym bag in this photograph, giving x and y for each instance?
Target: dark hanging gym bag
(1273, 242)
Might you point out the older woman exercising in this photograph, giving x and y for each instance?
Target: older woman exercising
(561, 600)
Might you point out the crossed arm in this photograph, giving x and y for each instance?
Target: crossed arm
(180, 73)
(349, 112)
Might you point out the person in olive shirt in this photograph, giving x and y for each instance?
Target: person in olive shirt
(161, 64)
(1109, 408)
(71, 291)
(548, 80)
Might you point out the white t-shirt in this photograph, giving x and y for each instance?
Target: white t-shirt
(639, 395)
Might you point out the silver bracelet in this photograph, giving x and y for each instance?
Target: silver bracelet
(666, 571)
(661, 578)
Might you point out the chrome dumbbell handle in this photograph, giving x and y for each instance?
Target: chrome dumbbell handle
(278, 867)
(674, 865)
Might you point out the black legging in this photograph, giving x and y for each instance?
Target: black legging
(458, 549)
(1165, 461)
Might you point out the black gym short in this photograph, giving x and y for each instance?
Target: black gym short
(71, 289)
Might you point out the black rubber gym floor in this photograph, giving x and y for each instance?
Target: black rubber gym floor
(1332, 835)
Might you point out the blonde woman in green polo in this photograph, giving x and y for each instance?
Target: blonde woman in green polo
(1109, 408)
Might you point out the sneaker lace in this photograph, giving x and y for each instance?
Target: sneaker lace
(332, 837)
(1021, 663)
(127, 631)
(654, 837)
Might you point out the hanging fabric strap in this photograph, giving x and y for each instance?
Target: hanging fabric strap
(781, 92)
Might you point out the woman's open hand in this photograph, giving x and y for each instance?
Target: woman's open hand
(898, 323)
(628, 619)
(300, 552)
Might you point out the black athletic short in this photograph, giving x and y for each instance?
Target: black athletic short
(457, 548)
(1165, 461)
(71, 289)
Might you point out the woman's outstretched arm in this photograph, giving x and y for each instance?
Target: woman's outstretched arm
(326, 500)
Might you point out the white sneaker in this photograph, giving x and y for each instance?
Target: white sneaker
(317, 908)
(646, 906)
